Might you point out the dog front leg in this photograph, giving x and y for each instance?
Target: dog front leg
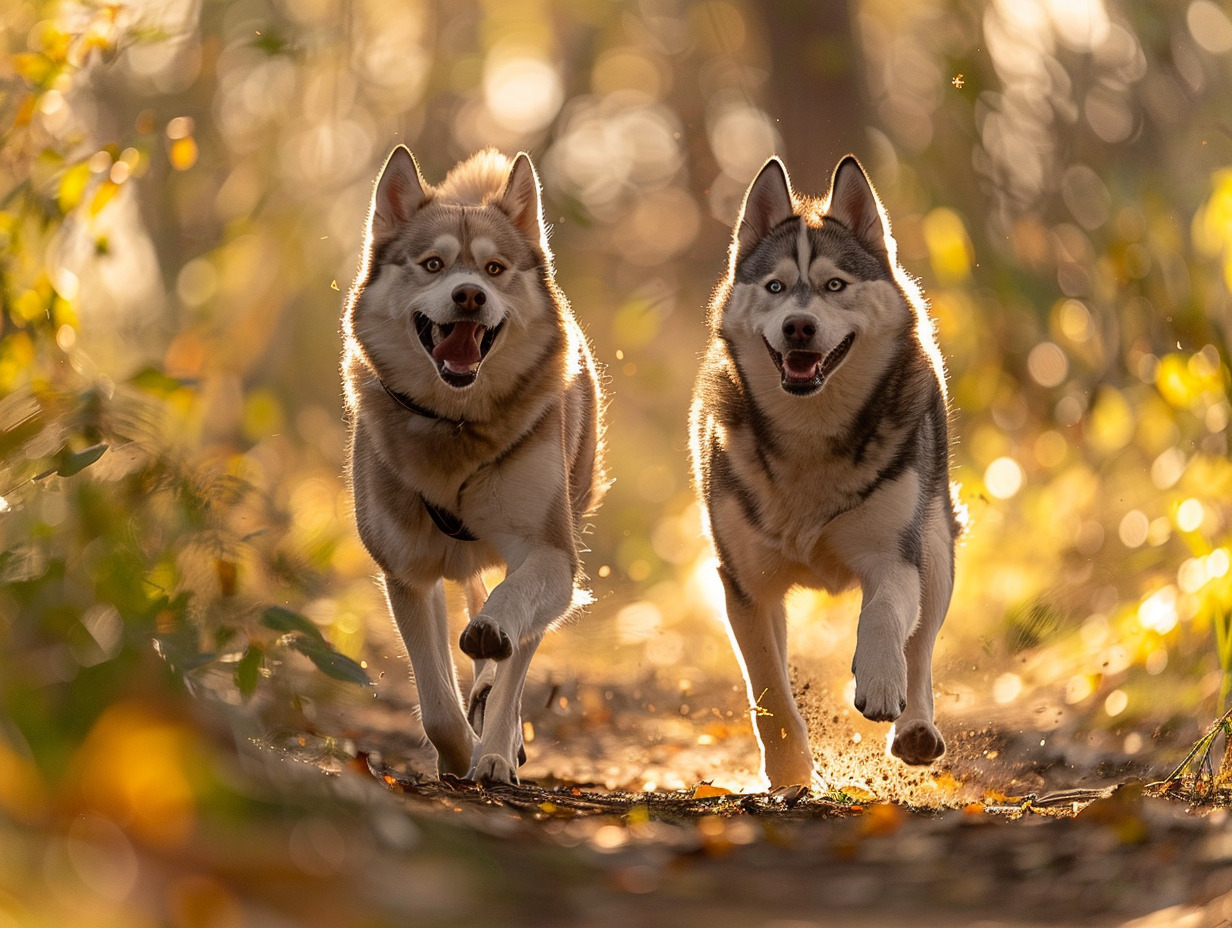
(421, 618)
(916, 738)
(535, 593)
(759, 634)
(888, 615)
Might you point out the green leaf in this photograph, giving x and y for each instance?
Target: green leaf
(70, 463)
(248, 670)
(281, 619)
(156, 383)
(331, 662)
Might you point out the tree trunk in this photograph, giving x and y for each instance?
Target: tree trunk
(816, 89)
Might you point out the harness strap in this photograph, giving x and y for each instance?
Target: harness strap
(448, 523)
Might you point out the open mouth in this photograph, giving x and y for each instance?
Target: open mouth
(458, 348)
(805, 372)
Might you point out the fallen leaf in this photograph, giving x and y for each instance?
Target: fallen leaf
(856, 793)
(881, 818)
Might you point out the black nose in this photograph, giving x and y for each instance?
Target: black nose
(469, 297)
(799, 330)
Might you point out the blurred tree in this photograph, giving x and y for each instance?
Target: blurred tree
(817, 89)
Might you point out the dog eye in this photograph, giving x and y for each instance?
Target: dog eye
(775, 286)
(494, 268)
(432, 265)
(835, 284)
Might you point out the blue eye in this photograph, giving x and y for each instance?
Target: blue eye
(775, 286)
(835, 284)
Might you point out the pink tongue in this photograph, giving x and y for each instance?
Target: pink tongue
(460, 348)
(802, 364)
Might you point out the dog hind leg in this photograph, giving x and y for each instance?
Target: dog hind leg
(484, 669)
(493, 759)
(422, 621)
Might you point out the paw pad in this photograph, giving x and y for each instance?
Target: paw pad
(485, 639)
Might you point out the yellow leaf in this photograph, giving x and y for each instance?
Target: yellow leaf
(857, 793)
(946, 781)
(949, 248)
(638, 815)
(183, 153)
(34, 68)
(1110, 423)
(73, 186)
(103, 195)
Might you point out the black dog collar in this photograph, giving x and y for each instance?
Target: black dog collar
(411, 406)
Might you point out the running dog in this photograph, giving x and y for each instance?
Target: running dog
(475, 438)
(818, 440)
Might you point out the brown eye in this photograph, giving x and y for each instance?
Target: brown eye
(432, 265)
(494, 268)
(835, 284)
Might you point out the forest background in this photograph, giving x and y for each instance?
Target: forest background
(182, 189)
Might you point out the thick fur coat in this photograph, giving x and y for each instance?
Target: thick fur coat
(820, 454)
(475, 438)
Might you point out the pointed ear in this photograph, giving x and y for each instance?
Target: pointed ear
(520, 201)
(768, 202)
(399, 193)
(855, 204)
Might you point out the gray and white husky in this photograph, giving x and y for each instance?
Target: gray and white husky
(820, 454)
(474, 411)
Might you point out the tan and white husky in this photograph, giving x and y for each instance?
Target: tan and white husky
(474, 411)
(820, 454)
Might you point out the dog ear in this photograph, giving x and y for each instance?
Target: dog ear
(768, 202)
(520, 201)
(399, 193)
(855, 204)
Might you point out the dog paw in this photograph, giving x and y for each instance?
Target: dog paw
(483, 638)
(918, 743)
(493, 769)
(881, 684)
(882, 701)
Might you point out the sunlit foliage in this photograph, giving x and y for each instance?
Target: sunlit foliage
(182, 187)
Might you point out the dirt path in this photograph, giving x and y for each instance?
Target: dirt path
(638, 807)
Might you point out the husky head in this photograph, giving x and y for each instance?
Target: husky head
(811, 280)
(447, 271)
